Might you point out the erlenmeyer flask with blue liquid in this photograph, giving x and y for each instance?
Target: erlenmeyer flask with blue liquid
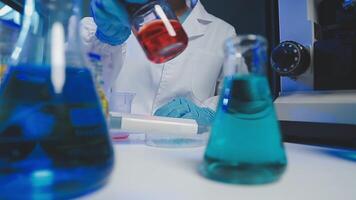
(245, 145)
(54, 141)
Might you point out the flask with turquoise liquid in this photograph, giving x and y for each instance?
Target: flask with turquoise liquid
(245, 145)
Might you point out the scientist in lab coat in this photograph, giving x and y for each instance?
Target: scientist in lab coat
(181, 88)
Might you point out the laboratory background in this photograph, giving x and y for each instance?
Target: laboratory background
(178, 99)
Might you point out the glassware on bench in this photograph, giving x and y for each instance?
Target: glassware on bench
(54, 141)
(245, 145)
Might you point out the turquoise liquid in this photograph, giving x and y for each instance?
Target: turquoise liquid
(52, 146)
(245, 145)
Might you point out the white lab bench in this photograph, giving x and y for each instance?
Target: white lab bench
(147, 173)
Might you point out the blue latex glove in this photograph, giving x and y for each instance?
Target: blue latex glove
(112, 20)
(184, 108)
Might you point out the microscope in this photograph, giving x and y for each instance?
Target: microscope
(316, 63)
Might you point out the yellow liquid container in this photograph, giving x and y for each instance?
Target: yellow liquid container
(104, 101)
(97, 70)
(3, 68)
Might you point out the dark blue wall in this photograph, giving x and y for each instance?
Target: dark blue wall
(248, 16)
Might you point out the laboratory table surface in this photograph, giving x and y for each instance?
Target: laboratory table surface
(147, 173)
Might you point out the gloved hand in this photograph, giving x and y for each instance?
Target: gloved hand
(184, 108)
(112, 20)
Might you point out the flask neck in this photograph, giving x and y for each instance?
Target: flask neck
(245, 54)
(133, 8)
(50, 33)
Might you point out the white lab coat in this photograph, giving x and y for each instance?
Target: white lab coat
(193, 74)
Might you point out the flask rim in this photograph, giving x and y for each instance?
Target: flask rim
(144, 9)
(233, 44)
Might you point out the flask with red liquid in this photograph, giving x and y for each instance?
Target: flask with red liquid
(158, 30)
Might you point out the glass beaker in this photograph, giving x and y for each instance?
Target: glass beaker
(9, 32)
(120, 102)
(54, 141)
(245, 146)
(158, 30)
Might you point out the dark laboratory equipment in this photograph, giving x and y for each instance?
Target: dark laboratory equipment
(316, 61)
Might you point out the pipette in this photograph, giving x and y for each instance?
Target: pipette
(138, 124)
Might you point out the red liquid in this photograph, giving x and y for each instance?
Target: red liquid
(158, 44)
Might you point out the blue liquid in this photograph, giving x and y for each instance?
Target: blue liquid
(245, 145)
(51, 145)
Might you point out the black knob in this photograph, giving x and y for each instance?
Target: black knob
(290, 59)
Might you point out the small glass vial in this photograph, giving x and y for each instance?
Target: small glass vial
(158, 30)
(97, 70)
(2, 71)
